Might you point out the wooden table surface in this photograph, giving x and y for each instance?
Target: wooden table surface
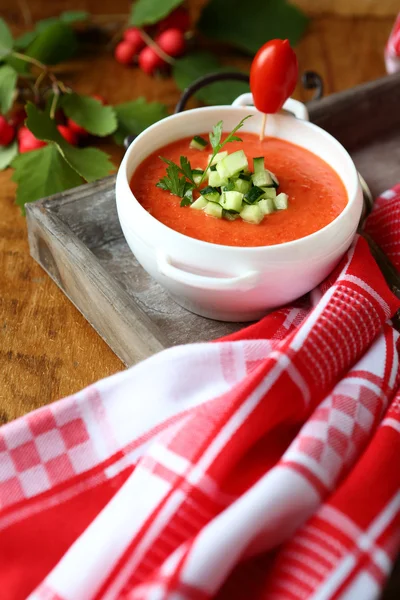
(47, 349)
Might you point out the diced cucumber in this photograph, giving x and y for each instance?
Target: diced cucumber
(197, 175)
(252, 214)
(218, 157)
(199, 204)
(229, 187)
(269, 192)
(274, 178)
(215, 179)
(262, 179)
(267, 206)
(242, 186)
(232, 201)
(281, 201)
(211, 194)
(245, 176)
(214, 210)
(258, 164)
(198, 143)
(230, 216)
(232, 164)
(253, 195)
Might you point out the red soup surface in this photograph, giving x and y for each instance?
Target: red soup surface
(316, 193)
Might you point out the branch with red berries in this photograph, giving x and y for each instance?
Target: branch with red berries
(155, 54)
(46, 129)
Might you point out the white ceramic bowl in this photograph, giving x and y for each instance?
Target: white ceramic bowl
(236, 283)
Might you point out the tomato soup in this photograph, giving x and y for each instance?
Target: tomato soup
(316, 193)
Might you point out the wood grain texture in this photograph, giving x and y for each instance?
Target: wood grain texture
(47, 349)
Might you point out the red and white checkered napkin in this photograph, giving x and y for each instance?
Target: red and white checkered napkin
(392, 49)
(262, 466)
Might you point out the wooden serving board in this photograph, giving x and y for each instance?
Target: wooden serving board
(76, 236)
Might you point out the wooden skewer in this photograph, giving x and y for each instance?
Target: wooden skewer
(263, 124)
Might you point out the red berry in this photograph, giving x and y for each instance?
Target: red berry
(134, 37)
(68, 135)
(7, 132)
(77, 129)
(178, 19)
(17, 117)
(27, 141)
(172, 42)
(149, 60)
(124, 53)
(99, 98)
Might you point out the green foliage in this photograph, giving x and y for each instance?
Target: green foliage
(195, 65)
(56, 167)
(8, 82)
(89, 113)
(248, 26)
(56, 43)
(54, 175)
(68, 18)
(133, 117)
(90, 163)
(7, 154)
(6, 39)
(23, 41)
(147, 12)
(74, 16)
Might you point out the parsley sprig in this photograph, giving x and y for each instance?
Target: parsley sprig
(179, 179)
(217, 145)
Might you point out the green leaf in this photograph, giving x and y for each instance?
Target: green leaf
(90, 114)
(215, 135)
(133, 117)
(173, 182)
(21, 66)
(8, 82)
(248, 26)
(41, 173)
(186, 168)
(56, 43)
(90, 163)
(68, 17)
(195, 65)
(6, 39)
(74, 16)
(148, 12)
(23, 41)
(7, 154)
(45, 23)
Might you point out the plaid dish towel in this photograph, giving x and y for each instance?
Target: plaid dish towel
(262, 466)
(392, 49)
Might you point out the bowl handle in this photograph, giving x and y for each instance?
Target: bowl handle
(238, 283)
(309, 79)
(298, 109)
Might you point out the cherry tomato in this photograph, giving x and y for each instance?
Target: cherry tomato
(273, 75)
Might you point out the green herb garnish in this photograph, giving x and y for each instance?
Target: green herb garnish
(179, 179)
(174, 182)
(215, 140)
